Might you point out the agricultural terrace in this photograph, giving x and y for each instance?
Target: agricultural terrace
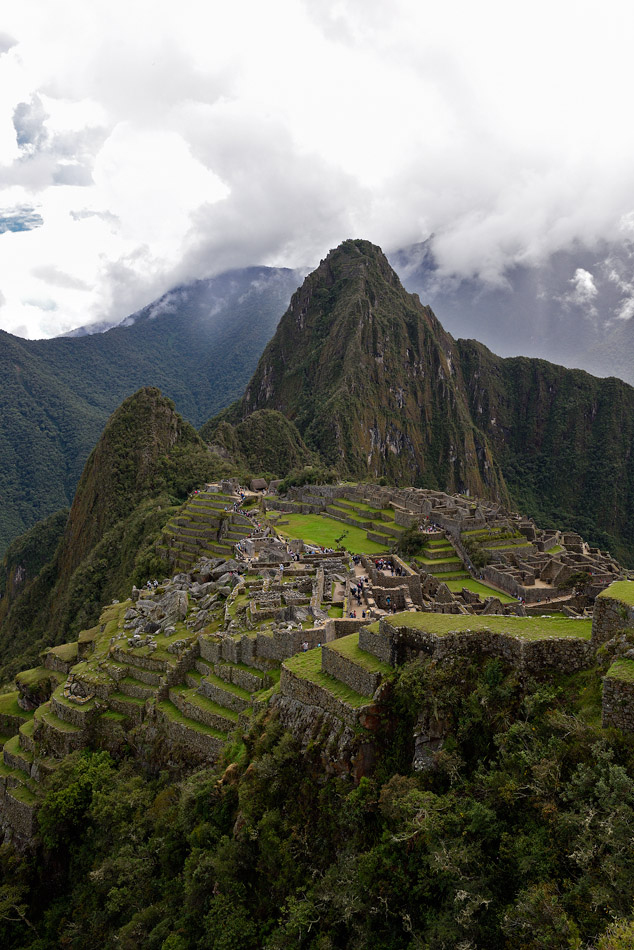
(528, 628)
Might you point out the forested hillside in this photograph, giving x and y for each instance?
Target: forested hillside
(376, 386)
(199, 344)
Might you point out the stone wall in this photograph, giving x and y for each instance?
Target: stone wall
(618, 703)
(17, 818)
(360, 680)
(610, 616)
(563, 655)
(408, 578)
(377, 644)
(405, 518)
(78, 715)
(512, 586)
(204, 744)
(310, 694)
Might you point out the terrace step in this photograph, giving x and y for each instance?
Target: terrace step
(26, 736)
(54, 734)
(134, 688)
(247, 677)
(190, 733)
(347, 662)
(201, 709)
(15, 757)
(225, 694)
(75, 714)
(128, 706)
(303, 679)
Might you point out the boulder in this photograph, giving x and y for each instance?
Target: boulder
(172, 607)
(225, 567)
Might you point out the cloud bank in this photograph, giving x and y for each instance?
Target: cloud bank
(161, 143)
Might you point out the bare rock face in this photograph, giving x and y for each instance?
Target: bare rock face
(172, 607)
(429, 737)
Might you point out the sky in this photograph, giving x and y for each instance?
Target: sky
(144, 144)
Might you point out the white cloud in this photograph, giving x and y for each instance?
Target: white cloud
(161, 142)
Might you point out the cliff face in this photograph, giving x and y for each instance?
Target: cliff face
(371, 379)
(564, 440)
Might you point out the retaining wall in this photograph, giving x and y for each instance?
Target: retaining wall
(618, 703)
(610, 616)
(564, 655)
(360, 680)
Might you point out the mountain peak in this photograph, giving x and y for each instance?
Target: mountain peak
(367, 375)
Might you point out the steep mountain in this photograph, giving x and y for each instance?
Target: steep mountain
(266, 441)
(371, 379)
(199, 344)
(146, 461)
(376, 386)
(564, 441)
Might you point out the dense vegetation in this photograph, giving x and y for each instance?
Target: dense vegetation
(265, 442)
(517, 835)
(142, 468)
(378, 389)
(364, 371)
(199, 344)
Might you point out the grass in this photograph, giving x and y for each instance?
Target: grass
(170, 710)
(335, 612)
(620, 590)
(37, 675)
(528, 628)
(622, 670)
(349, 647)
(477, 588)
(9, 706)
(308, 666)
(67, 652)
(322, 530)
(197, 699)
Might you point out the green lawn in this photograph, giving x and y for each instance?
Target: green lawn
(622, 669)
(349, 647)
(308, 666)
(529, 628)
(620, 590)
(482, 589)
(322, 530)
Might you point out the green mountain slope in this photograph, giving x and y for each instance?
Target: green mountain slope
(371, 379)
(146, 461)
(564, 440)
(376, 386)
(199, 344)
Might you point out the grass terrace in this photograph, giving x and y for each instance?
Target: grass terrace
(9, 706)
(67, 652)
(322, 530)
(349, 647)
(455, 586)
(620, 590)
(622, 670)
(528, 628)
(308, 667)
